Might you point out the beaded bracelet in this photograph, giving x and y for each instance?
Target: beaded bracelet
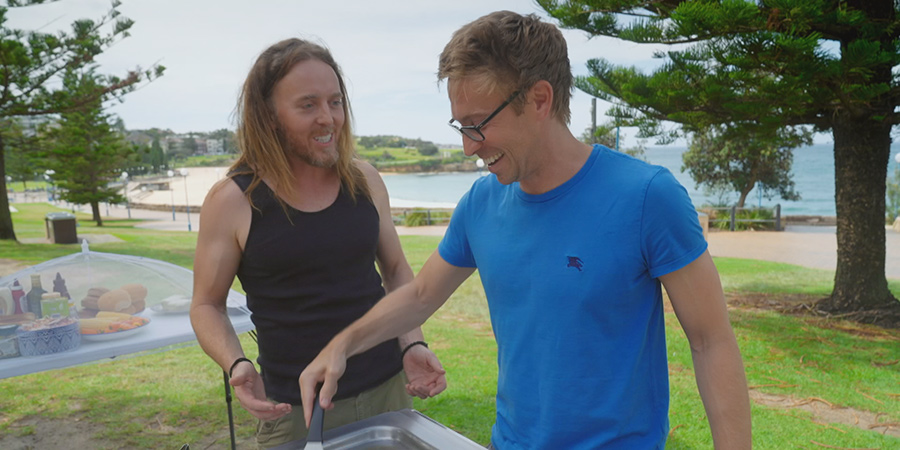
(411, 345)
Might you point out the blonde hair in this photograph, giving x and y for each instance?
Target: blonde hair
(508, 51)
(262, 152)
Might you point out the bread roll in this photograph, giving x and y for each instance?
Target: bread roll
(138, 292)
(114, 300)
(89, 303)
(139, 305)
(90, 300)
(97, 291)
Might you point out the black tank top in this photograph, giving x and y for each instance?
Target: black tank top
(307, 281)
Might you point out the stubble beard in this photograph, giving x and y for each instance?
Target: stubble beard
(325, 159)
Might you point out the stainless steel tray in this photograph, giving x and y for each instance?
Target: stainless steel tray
(404, 429)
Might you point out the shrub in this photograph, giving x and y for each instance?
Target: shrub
(422, 217)
(745, 219)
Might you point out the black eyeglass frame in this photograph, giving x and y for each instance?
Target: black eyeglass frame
(465, 130)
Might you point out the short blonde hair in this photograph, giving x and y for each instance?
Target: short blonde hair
(506, 51)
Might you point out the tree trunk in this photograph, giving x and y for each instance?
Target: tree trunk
(743, 197)
(95, 213)
(862, 149)
(6, 225)
(861, 154)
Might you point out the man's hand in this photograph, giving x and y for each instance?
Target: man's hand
(249, 390)
(424, 371)
(325, 370)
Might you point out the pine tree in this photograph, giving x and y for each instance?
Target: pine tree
(87, 151)
(774, 63)
(31, 64)
(22, 151)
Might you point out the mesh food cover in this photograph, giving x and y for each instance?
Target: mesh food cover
(96, 281)
(93, 306)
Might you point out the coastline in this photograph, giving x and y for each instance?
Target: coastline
(164, 192)
(182, 194)
(168, 193)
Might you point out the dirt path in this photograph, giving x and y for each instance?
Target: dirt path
(75, 432)
(827, 413)
(8, 266)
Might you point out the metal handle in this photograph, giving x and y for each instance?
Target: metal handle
(317, 423)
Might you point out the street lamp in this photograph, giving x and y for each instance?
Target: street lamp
(125, 181)
(48, 176)
(184, 173)
(897, 158)
(171, 174)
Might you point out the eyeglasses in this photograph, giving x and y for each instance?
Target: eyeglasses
(473, 132)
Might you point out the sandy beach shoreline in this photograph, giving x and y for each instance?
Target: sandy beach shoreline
(192, 190)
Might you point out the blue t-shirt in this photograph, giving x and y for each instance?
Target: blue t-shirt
(576, 307)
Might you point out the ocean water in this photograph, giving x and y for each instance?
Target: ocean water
(813, 175)
(812, 172)
(438, 190)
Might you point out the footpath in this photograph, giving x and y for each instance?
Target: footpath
(803, 245)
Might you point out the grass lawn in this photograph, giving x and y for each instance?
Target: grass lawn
(816, 383)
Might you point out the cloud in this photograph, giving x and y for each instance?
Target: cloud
(388, 50)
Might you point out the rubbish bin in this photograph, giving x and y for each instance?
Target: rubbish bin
(61, 228)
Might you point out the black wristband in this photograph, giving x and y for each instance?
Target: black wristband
(406, 349)
(235, 363)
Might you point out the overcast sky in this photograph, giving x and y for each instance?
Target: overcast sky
(388, 50)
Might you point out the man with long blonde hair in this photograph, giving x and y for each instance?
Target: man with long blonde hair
(302, 223)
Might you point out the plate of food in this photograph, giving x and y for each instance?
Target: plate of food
(107, 326)
(175, 304)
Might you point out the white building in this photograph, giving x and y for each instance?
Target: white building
(215, 147)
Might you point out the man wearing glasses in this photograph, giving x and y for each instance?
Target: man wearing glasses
(572, 243)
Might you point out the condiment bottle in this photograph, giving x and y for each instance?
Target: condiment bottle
(52, 304)
(18, 295)
(59, 285)
(34, 295)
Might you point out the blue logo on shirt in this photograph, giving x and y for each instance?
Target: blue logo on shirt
(575, 262)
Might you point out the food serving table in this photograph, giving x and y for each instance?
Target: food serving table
(82, 273)
(163, 330)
